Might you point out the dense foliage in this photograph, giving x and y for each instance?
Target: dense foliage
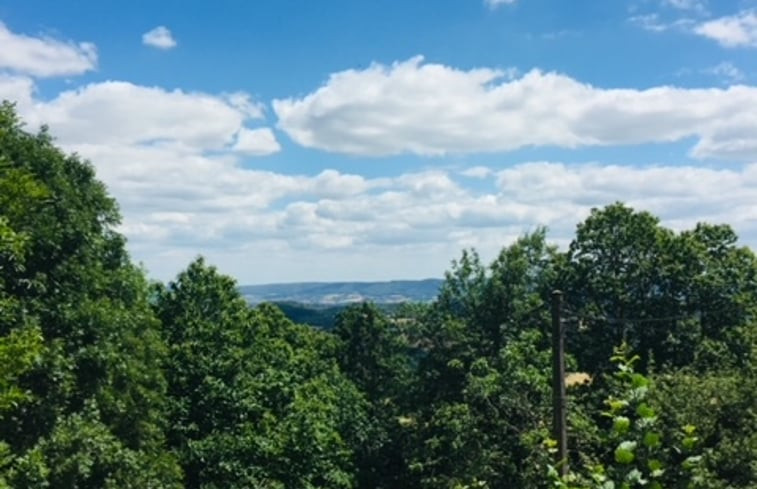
(107, 380)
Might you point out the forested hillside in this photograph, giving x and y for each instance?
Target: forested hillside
(108, 380)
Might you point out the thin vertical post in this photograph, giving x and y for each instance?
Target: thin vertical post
(559, 433)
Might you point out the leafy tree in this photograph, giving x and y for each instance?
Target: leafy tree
(635, 451)
(613, 278)
(19, 350)
(483, 393)
(375, 354)
(675, 297)
(374, 351)
(485, 438)
(20, 343)
(481, 308)
(719, 289)
(255, 400)
(66, 280)
(723, 406)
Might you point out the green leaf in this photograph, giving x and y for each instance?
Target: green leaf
(617, 405)
(638, 380)
(624, 453)
(691, 462)
(652, 440)
(689, 442)
(621, 425)
(636, 477)
(654, 465)
(645, 411)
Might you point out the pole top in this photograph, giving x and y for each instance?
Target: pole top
(556, 292)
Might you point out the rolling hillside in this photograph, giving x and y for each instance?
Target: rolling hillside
(335, 293)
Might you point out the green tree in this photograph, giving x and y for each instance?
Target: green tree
(675, 297)
(375, 354)
(485, 437)
(483, 373)
(374, 351)
(256, 401)
(722, 404)
(613, 278)
(637, 450)
(65, 274)
(686, 301)
(19, 351)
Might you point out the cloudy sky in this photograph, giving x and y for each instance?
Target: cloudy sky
(291, 140)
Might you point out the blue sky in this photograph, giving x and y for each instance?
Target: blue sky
(345, 140)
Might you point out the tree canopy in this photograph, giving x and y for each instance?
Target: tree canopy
(110, 381)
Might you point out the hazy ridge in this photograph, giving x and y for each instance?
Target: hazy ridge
(394, 291)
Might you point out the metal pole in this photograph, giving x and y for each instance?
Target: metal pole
(560, 433)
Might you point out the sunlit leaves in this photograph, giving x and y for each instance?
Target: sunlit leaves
(19, 351)
(624, 453)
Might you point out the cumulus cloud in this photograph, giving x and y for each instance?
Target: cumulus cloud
(159, 37)
(117, 113)
(739, 30)
(173, 159)
(680, 192)
(432, 109)
(268, 226)
(177, 163)
(186, 190)
(394, 218)
(256, 141)
(44, 56)
(244, 102)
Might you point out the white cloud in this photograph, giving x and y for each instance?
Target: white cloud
(739, 30)
(175, 162)
(649, 22)
(172, 159)
(432, 109)
(413, 224)
(477, 172)
(256, 141)
(726, 71)
(243, 102)
(410, 225)
(18, 89)
(159, 37)
(44, 56)
(122, 113)
(184, 191)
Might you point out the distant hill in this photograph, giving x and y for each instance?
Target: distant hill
(335, 293)
(323, 315)
(319, 315)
